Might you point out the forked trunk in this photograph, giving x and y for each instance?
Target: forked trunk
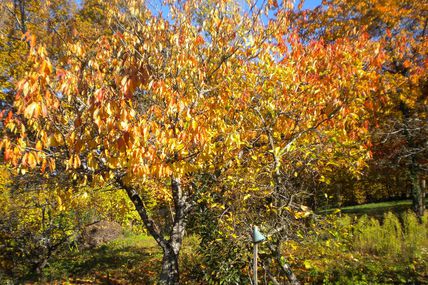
(171, 247)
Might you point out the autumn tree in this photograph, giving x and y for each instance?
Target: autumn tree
(48, 20)
(38, 212)
(212, 99)
(35, 225)
(306, 113)
(148, 108)
(399, 128)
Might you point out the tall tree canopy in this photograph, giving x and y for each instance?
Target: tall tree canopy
(195, 99)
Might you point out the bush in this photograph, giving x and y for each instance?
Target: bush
(393, 238)
(27, 245)
(365, 250)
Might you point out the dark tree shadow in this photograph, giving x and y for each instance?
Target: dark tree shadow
(107, 265)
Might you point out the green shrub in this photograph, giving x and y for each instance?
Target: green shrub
(364, 250)
(367, 233)
(415, 235)
(393, 238)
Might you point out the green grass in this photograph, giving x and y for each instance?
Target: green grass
(132, 259)
(135, 240)
(374, 208)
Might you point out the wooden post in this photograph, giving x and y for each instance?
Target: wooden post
(255, 264)
(257, 237)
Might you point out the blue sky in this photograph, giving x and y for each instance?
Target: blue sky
(309, 4)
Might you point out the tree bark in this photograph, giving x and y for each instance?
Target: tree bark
(414, 169)
(170, 274)
(285, 268)
(170, 271)
(417, 191)
(20, 4)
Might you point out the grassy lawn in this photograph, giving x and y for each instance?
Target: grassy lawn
(133, 259)
(375, 208)
(343, 249)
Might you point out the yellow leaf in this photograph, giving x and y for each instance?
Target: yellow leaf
(32, 110)
(307, 264)
(52, 165)
(31, 160)
(246, 197)
(39, 145)
(304, 208)
(76, 161)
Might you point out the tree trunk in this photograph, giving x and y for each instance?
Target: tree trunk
(285, 268)
(170, 272)
(417, 192)
(22, 22)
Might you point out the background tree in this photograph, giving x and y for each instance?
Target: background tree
(42, 214)
(398, 128)
(48, 20)
(35, 224)
(43, 218)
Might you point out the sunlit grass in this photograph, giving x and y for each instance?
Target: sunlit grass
(132, 259)
(380, 207)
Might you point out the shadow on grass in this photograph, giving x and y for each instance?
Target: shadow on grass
(108, 264)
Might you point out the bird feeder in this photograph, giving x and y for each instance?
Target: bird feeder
(258, 237)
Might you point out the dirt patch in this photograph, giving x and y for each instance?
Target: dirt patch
(100, 233)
